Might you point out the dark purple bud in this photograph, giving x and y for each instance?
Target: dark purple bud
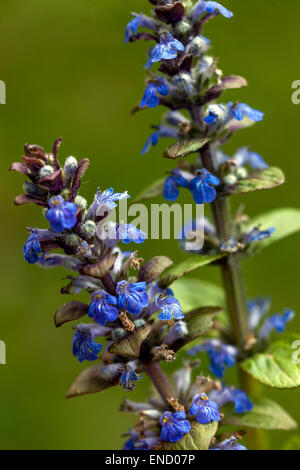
(170, 13)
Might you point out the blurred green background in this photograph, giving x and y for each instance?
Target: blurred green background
(68, 72)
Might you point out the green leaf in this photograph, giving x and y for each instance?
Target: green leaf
(198, 321)
(258, 180)
(194, 293)
(189, 264)
(266, 414)
(153, 268)
(153, 190)
(277, 366)
(286, 221)
(292, 444)
(184, 148)
(199, 438)
(130, 345)
(70, 311)
(95, 379)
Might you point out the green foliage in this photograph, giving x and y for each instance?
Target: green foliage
(184, 147)
(194, 293)
(258, 180)
(189, 264)
(286, 222)
(199, 438)
(275, 367)
(153, 190)
(266, 414)
(199, 321)
(292, 444)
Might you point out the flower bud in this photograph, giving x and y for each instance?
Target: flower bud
(80, 202)
(70, 167)
(88, 229)
(229, 180)
(118, 333)
(197, 45)
(72, 240)
(139, 322)
(183, 28)
(45, 171)
(32, 188)
(184, 82)
(241, 173)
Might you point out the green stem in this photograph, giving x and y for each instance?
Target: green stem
(235, 295)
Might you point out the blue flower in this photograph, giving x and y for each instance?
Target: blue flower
(132, 298)
(174, 426)
(220, 355)
(201, 187)
(131, 28)
(62, 214)
(103, 307)
(153, 90)
(239, 110)
(216, 113)
(104, 201)
(257, 309)
(258, 235)
(136, 443)
(128, 233)
(85, 347)
(163, 131)
(276, 322)
(245, 157)
(32, 249)
(229, 444)
(129, 377)
(212, 6)
(170, 308)
(230, 246)
(204, 409)
(230, 394)
(167, 48)
(172, 183)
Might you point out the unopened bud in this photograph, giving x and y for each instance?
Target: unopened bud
(183, 28)
(70, 167)
(80, 202)
(118, 333)
(229, 180)
(72, 240)
(197, 45)
(184, 82)
(242, 173)
(45, 171)
(139, 322)
(88, 229)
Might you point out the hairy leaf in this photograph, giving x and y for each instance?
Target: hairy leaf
(189, 264)
(286, 221)
(277, 366)
(70, 311)
(152, 191)
(184, 148)
(266, 414)
(258, 180)
(153, 268)
(95, 379)
(130, 345)
(199, 438)
(194, 293)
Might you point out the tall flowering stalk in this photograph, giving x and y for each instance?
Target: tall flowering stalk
(141, 321)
